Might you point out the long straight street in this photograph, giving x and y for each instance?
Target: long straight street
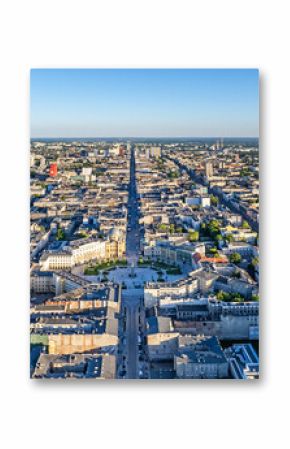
(132, 324)
(131, 306)
(132, 299)
(133, 231)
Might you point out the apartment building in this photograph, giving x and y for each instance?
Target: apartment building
(85, 250)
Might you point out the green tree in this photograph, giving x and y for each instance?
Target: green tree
(214, 200)
(235, 258)
(219, 295)
(213, 228)
(60, 235)
(255, 261)
(171, 228)
(245, 225)
(223, 296)
(229, 238)
(193, 236)
(218, 237)
(162, 227)
(237, 297)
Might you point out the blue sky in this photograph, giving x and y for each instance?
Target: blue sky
(144, 103)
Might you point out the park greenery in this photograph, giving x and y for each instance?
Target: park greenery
(159, 266)
(95, 269)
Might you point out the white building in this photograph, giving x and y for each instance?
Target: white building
(154, 292)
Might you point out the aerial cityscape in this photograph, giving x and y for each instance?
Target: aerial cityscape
(144, 250)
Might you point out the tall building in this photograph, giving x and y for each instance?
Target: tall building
(219, 144)
(53, 170)
(208, 169)
(155, 151)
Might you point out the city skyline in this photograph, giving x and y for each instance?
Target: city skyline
(144, 251)
(148, 103)
(144, 260)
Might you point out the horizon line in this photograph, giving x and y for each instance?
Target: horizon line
(144, 137)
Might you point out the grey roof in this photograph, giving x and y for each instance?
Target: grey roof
(75, 366)
(200, 349)
(158, 324)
